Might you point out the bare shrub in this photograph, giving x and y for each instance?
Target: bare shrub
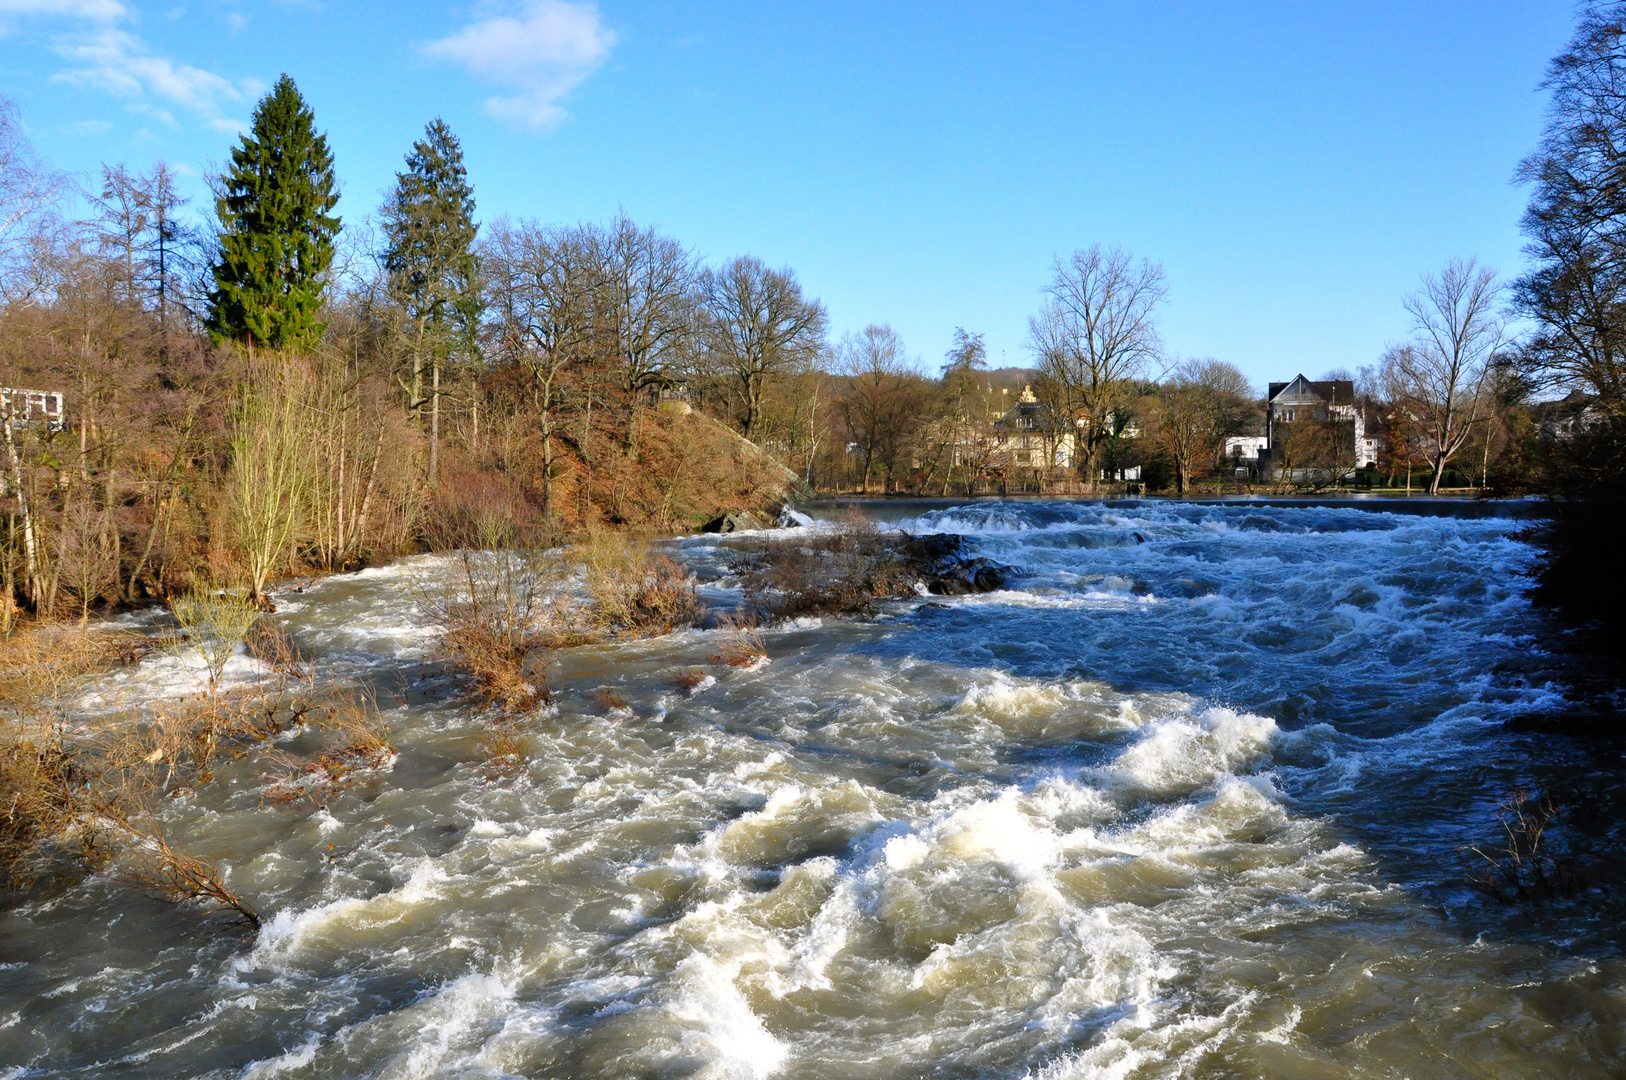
(635, 591)
(270, 645)
(498, 609)
(179, 877)
(1521, 864)
(52, 792)
(502, 752)
(358, 741)
(690, 679)
(215, 621)
(39, 665)
(48, 810)
(743, 646)
(361, 735)
(843, 571)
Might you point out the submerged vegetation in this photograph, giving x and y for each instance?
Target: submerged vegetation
(85, 789)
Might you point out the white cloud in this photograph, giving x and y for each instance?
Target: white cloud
(120, 63)
(104, 57)
(103, 10)
(541, 52)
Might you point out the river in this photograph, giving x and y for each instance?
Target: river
(1187, 799)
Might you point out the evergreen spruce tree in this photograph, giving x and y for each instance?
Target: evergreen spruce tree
(276, 228)
(429, 230)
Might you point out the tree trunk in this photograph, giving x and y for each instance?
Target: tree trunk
(417, 376)
(31, 562)
(434, 422)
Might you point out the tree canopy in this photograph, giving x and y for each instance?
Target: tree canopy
(277, 229)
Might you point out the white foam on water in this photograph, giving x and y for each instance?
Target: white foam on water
(717, 1024)
(1092, 599)
(883, 860)
(1181, 755)
(794, 519)
(173, 674)
(289, 1061)
(288, 933)
(450, 1027)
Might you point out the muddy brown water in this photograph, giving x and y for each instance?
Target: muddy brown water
(1186, 800)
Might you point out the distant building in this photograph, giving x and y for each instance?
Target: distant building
(1243, 452)
(1562, 420)
(1331, 402)
(33, 407)
(1030, 436)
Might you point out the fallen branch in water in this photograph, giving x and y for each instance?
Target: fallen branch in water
(180, 877)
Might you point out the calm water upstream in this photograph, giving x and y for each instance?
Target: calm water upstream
(1186, 801)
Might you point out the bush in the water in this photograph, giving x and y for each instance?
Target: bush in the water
(844, 571)
(498, 609)
(79, 798)
(1522, 863)
(215, 621)
(634, 590)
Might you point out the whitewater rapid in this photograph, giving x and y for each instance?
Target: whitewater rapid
(1187, 799)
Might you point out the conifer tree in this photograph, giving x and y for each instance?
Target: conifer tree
(276, 228)
(429, 230)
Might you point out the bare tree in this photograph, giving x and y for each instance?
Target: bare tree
(29, 192)
(1575, 288)
(880, 401)
(543, 286)
(1096, 332)
(272, 464)
(1438, 376)
(758, 325)
(649, 295)
(1202, 403)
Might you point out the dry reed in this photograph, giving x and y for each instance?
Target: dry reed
(743, 646)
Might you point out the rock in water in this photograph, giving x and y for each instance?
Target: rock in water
(937, 558)
(734, 521)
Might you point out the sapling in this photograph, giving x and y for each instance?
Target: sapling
(216, 622)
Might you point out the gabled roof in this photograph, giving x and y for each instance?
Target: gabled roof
(1034, 410)
(1300, 389)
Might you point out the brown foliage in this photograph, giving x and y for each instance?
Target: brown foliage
(498, 609)
(743, 646)
(690, 679)
(39, 663)
(840, 572)
(634, 591)
(75, 798)
(508, 669)
(48, 811)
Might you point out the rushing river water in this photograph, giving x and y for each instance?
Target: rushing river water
(1186, 800)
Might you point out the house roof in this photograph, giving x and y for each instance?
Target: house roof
(1034, 410)
(1300, 390)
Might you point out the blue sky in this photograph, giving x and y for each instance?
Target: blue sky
(1294, 167)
